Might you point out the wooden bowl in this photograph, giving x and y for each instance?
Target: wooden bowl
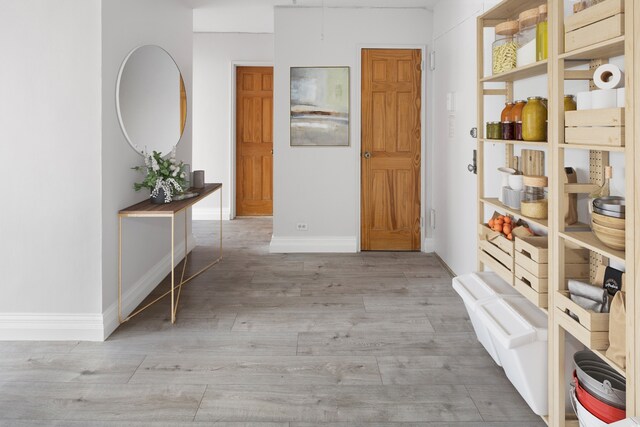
(609, 236)
(608, 221)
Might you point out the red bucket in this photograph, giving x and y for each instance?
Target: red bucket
(599, 409)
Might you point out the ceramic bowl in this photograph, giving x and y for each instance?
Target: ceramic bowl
(609, 236)
(608, 221)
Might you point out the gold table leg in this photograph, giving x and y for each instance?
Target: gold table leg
(174, 299)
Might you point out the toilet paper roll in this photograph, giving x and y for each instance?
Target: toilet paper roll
(621, 99)
(604, 98)
(608, 76)
(583, 100)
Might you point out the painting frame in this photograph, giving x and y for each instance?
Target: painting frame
(320, 106)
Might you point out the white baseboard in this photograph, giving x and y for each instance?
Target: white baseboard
(429, 245)
(141, 288)
(86, 326)
(210, 214)
(312, 244)
(51, 327)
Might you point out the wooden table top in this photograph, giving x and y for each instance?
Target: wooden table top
(146, 208)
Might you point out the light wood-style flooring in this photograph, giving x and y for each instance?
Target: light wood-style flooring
(275, 340)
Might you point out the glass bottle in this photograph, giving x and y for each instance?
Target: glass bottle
(570, 103)
(542, 48)
(526, 37)
(504, 48)
(534, 120)
(516, 115)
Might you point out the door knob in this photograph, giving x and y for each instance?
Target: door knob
(473, 132)
(366, 155)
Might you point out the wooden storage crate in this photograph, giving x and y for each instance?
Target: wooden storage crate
(595, 24)
(595, 127)
(496, 252)
(532, 254)
(591, 328)
(532, 269)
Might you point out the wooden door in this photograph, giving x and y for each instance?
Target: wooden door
(254, 141)
(391, 134)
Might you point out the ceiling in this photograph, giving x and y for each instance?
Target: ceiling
(257, 16)
(208, 4)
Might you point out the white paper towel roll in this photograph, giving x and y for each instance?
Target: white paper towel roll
(621, 99)
(583, 100)
(608, 76)
(604, 98)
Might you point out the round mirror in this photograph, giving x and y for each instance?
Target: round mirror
(151, 100)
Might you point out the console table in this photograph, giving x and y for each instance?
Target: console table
(146, 209)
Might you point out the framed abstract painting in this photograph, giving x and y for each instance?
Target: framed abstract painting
(319, 106)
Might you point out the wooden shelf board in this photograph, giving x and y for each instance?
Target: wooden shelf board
(605, 49)
(592, 147)
(508, 9)
(619, 369)
(515, 142)
(498, 205)
(536, 69)
(588, 240)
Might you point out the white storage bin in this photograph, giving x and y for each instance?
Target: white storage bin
(518, 330)
(478, 287)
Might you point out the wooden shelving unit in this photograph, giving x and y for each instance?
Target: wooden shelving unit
(506, 10)
(531, 70)
(543, 223)
(516, 142)
(592, 329)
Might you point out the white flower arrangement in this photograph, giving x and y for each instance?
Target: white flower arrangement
(162, 174)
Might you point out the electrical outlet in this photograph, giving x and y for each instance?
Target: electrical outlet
(432, 219)
(302, 226)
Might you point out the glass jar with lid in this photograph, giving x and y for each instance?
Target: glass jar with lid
(526, 37)
(570, 103)
(506, 117)
(516, 115)
(542, 46)
(534, 202)
(494, 130)
(504, 48)
(534, 120)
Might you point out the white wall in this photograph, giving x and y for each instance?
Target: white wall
(321, 186)
(235, 16)
(214, 55)
(126, 25)
(51, 209)
(455, 194)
